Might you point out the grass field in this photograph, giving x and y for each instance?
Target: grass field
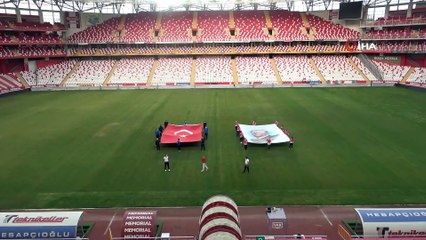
(96, 148)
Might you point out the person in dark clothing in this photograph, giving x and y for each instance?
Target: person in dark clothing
(157, 133)
(178, 144)
(165, 124)
(161, 129)
(290, 146)
(204, 124)
(157, 144)
(246, 165)
(203, 144)
(206, 132)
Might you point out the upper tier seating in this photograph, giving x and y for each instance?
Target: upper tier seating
(139, 28)
(255, 70)
(363, 68)
(132, 72)
(38, 38)
(328, 30)
(40, 51)
(176, 27)
(50, 75)
(393, 46)
(213, 26)
(9, 83)
(100, 33)
(214, 70)
(90, 73)
(391, 72)
(287, 25)
(251, 25)
(295, 69)
(171, 71)
(390, 33)
(336, 68)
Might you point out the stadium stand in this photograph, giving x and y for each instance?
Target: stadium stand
(418, 76)
(363, 68)
(287, 25)
(325, 30)
(336, 68)
(9, 83)
(251, 26)
(176, 27)
(132, 72)
(100, 33)
(90, 73)
(51, 75)
(139, 28)
(255, 70)
(213, 70)
(213, 26)
(295, 69)
(391, 72)
(173, 71)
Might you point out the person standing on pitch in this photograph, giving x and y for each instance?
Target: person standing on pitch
(178, 144)
(246, 165)
(290, 146)
(166, 163)
(157, 144)
(206, 132)
(203, 144)
(245, 142)
(268, 142)
(204, 164)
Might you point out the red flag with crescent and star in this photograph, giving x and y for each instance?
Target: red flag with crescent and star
(186, 133)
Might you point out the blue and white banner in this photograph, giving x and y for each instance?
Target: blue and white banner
(393, 222)
(39, 225)
(260, 133)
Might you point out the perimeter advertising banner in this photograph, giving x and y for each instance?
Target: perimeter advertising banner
(186, 133)
(39, 225)
(139, 224)
(259, 133)
(393, 222)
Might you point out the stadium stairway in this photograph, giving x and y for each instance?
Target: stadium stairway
(158, 25)
(121, 29)
(64, 81)
(194, 25)
(193, 71)
(317, 71)
(408, 74)
(232, 24)
(269, 25)
(307, 26)
(151, 72)
(22, 80)
(360, 72)
(234, 71)
(277, 74)
(111, 73)
(370, 66)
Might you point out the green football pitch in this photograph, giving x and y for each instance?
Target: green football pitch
(96, 148)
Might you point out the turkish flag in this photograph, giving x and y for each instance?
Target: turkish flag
(186, 133)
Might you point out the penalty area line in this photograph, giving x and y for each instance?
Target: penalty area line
(110, 222)
(326, 218)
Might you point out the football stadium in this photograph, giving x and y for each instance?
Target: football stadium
(213, 119)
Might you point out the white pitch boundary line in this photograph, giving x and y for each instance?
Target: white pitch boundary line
(326, 218)
(110, 222)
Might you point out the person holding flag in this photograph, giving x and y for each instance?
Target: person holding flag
(245, 142)
(268, 142)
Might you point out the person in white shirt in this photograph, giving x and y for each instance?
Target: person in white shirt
(166, 163)
(246, 165)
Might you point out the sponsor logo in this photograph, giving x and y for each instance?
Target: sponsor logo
(351, 46)
(384, 232)
(396, 214)
(277, 225)
(38, 219)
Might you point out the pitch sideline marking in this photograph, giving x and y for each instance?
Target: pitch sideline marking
(326, 218)
(110, 222)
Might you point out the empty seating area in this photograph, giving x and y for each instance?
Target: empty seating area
(51, 75)
(295, 69)
(100, 33)
(30, 26)
(173, 71)
(176, 27)
(287, 25)
(418, 76)
(324, 29)
(242, 49)
(37, 38)
(132, 72)
(391, 33)
(255, 70)
(281, 48)
(90, 73)
(40, 51)
(336, 68)
(214, 70)
(139, 28)
(363, 68)
(9, 83)
(391, 72)
(251, 25)
(394, 46)
(213, 26)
